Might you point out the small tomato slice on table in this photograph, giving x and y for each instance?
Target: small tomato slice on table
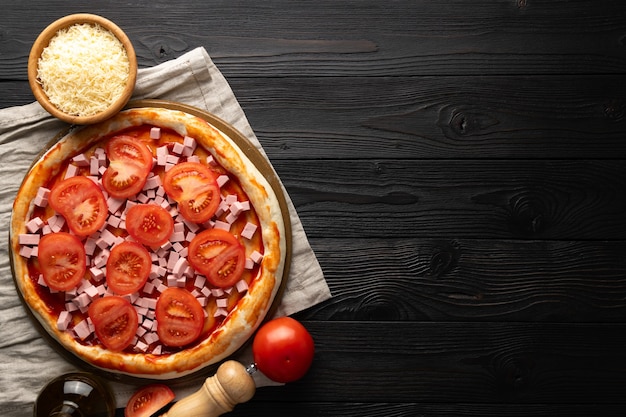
(219, 256)
(81, 202)
(148, 400)
(149, 224)
(62, 260)
(128, 268)
(115, 321)
(283, 349)
(193, 186)
(130, 162)
(179, 316)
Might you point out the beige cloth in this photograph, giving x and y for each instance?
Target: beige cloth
(27, 362)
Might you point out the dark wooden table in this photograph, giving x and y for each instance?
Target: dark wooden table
(460, 169)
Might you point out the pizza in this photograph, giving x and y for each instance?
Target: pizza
(149, 244)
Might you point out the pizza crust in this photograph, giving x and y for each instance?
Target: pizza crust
(251, 309)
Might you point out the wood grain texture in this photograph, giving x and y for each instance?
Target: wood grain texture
(355, 38)
(487, 199)
(442, 280)
(487, 117)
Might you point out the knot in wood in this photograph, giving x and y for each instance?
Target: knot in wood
(514, 377)
(443, 259)
(614, 110)
(461, 122)
(527, 214)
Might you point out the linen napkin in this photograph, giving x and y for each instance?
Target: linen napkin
(27, 362)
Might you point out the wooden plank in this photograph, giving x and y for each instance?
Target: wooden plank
(316, 409)
(438, 117)
(578, 117)
(354, 38)
(449, 362)
(495, 199)
(440, 280)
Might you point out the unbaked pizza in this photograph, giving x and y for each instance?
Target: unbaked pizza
(149, 244)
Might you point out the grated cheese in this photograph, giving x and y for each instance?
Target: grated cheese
(84, 69)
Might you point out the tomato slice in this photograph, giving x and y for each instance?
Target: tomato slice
(81, 202)
(128, 268)
(148, 400)
(218, 255)
(193, 186)
(179, 316)
(62, 260)
(130, 162)
(283, 349)
(115, 321)
(149, 224)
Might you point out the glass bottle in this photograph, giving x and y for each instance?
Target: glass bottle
(75, 395)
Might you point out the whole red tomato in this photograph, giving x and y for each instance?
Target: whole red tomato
(283, 349)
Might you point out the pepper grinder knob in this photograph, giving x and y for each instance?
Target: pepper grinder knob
(231, 385)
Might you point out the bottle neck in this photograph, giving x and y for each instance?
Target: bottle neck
(67, 409)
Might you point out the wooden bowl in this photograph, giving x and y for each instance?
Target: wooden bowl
(43, 40)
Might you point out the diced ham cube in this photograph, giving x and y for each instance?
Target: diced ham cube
(141, 346)
(239, 207)
(72, 171)
(91, 291)
(90, 246)
(200, 281)
(26, 251)
(115, 204)
(34, 224)
(41, 199)
(82, 300)
(256, 257)
(81, 160)
(249, 230)
(94, 166)
(148, 288)
(231, 218)
(249, 263)
(171, 281)
(150, 338)
(155, 133)
(153, 182)
(222, 179)
(241, 286)
(217, 292)
(190, 144)
(222, 225)
(82, 330)
(28, 239)
(221, 302)
(171, 260)
(64, 320)
(178, 148)
(179, 267)
(71, 307)
(96, 273)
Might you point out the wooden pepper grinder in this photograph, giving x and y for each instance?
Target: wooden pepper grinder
(231, 385)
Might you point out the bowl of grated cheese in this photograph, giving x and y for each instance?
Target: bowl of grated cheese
(82, 69)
